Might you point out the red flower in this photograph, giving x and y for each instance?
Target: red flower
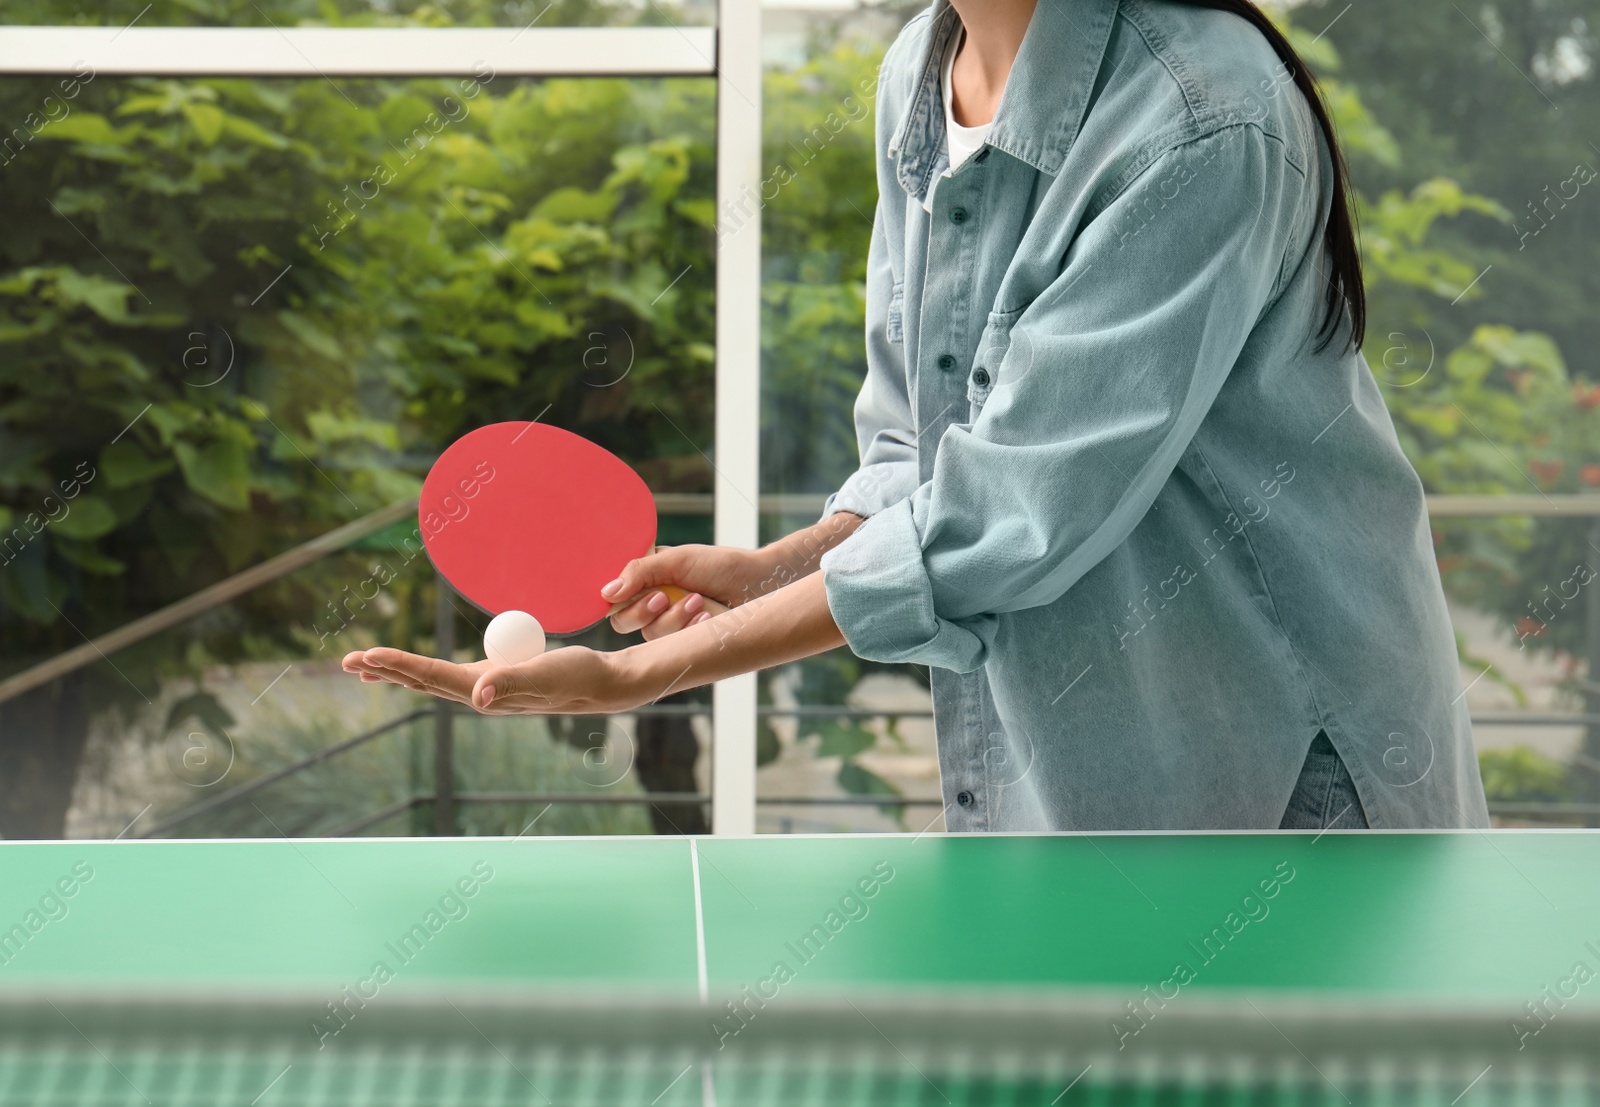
(1591, 474)
(1546, 472)
(1529, 627)
(1586, 398)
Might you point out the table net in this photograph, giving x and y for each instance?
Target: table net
(460, 1048)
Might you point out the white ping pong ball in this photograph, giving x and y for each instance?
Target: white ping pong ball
(512, 638)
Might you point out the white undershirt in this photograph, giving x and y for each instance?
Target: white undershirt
(960, 142)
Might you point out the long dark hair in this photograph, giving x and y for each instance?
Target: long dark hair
(1345, 292)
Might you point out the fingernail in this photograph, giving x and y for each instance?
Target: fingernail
(694, 603)
(610, 591)
(488, 694)
(658, 603)
(700, 618)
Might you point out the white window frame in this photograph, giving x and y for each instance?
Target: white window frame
(730, 52)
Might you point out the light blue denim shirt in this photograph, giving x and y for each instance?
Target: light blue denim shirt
(1148, 540)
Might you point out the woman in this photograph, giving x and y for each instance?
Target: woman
(1127, 485)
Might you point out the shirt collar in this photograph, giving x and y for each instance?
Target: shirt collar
(1046, 93)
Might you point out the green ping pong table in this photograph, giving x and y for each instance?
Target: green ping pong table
(1361, 968)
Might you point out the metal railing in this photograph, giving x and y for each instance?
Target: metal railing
(445, 798)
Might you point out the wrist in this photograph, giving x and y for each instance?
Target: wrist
(638, 672)
(799, 554)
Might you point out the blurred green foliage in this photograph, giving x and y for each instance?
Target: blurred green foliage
(237, 339)
(237, 313)
(358, 13)
(1522, 775)
(1485, 175)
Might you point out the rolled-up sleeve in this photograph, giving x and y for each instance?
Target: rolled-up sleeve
(1104, 381)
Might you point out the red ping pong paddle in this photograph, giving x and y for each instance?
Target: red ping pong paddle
(529, 517)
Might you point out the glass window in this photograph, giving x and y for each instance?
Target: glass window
(844, 744)
(238, 314)
(1470, 135)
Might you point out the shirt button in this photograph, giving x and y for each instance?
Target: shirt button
(980, 377)
(965, 799)
(958, 215)
(947, 362)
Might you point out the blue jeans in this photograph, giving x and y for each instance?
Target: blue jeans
(1324, 798)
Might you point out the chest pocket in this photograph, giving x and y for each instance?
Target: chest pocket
(894, 329)
(1001, 360)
